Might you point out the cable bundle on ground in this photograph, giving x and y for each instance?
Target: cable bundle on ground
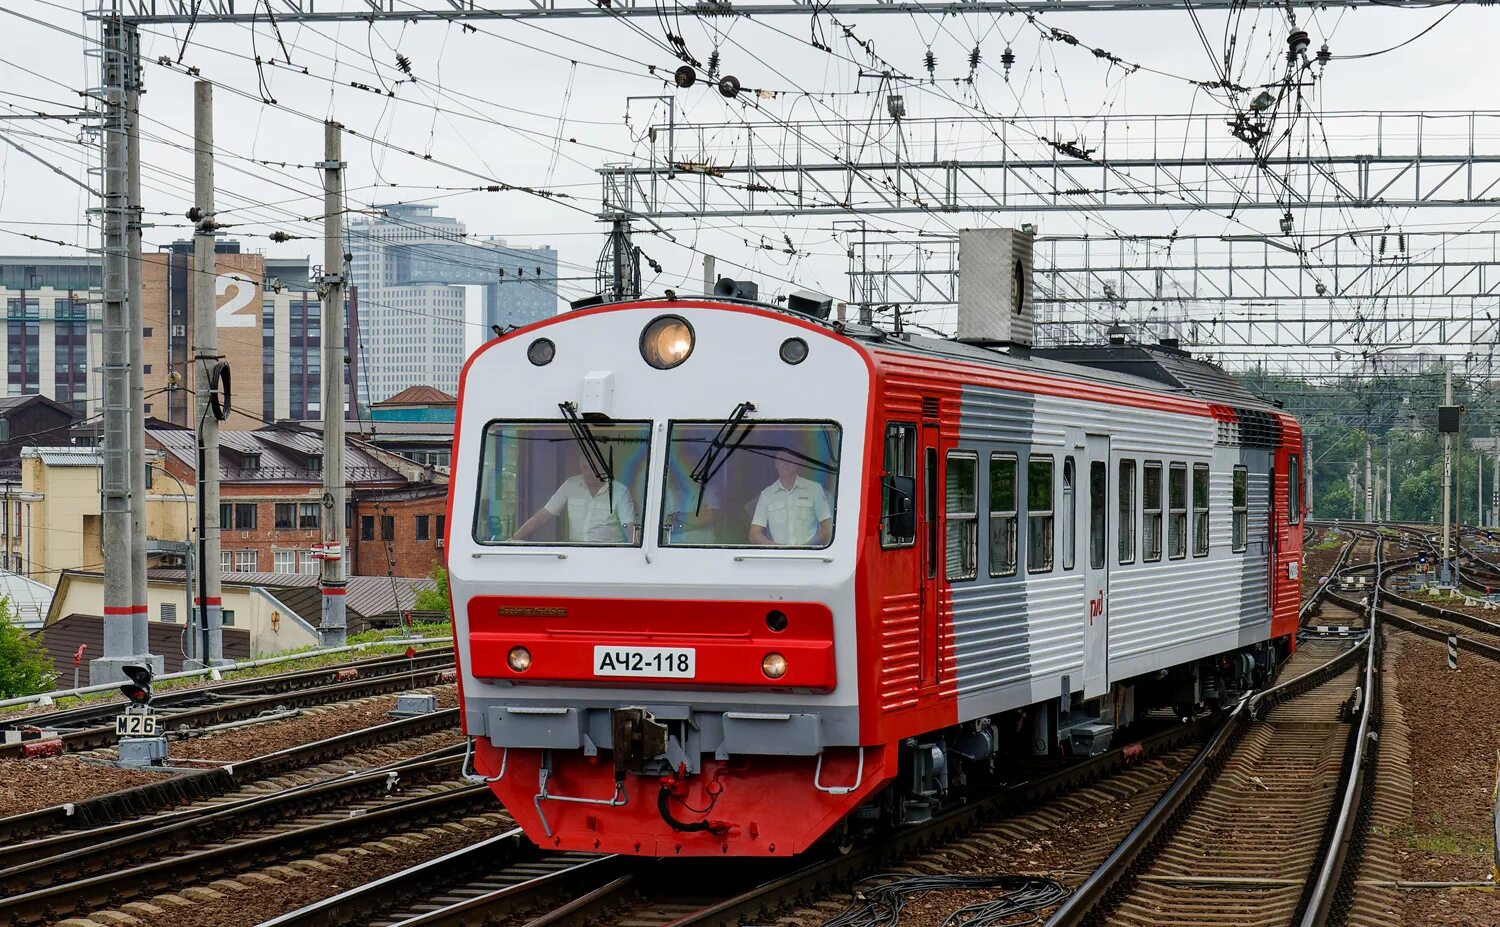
(880, 900)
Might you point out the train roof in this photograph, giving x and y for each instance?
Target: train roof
(1157, 368)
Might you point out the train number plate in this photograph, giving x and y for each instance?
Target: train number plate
(670, 662)
(137, 726)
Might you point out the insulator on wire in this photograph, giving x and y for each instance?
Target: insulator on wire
(1007, 58)
(974, 58)
(1324, 55)
(713, 63)
(1401, 242)
(930, 61)
(1382, 246)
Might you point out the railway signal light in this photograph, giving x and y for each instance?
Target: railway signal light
(138, 690)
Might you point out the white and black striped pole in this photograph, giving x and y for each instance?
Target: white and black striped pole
(1453, 651)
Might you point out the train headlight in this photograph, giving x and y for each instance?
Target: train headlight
(774, 665)
(667, 342)
(794, 351)
(541, 351)
(519, 659)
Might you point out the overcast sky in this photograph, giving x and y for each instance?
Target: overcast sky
(544, 103)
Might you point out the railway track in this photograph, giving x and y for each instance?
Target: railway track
(84, 728)
(511, 881)
(1258, 829)
(205, 787)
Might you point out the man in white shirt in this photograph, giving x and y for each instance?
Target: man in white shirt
(591, 517)
(793, 511)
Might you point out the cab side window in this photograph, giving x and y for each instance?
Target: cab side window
(898, 492)
(961, 499)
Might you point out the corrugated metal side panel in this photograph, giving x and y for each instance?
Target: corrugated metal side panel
(899, 675)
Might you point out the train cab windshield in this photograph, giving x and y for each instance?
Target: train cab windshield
(563, 483)
(743, 483)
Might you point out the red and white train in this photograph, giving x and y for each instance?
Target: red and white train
(728, 579)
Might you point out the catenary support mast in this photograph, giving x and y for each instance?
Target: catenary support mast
(334, 575)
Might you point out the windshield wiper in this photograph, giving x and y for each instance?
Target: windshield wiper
(603, 467)
(720, 449)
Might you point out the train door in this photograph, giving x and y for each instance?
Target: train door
(1094, 480)
(931, 554)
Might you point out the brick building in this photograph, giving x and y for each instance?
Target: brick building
(398, 530)
(270, 510)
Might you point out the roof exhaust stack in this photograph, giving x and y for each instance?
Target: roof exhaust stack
(995, 286)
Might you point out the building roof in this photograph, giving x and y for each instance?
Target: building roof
(28, 599)
(368, 596)
(418, 396)
(62, 638)
(277, 454)
(9, 404)
(65, 456)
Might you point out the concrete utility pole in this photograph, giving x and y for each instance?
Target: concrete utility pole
(140, 621)
(1387, 479)
(209, 609)
(123, 646)
(1369, 485)
(333, 578)
(1443, 573)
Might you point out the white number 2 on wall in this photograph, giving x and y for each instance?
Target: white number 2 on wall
(244, 291)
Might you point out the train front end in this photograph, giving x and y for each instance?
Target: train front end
(655, 521)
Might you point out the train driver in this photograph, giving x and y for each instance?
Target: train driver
(597, 514)
(793, 511)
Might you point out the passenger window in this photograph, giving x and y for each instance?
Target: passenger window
(1294, 491)
(1098, 496)
(1240, 503)
(1039, 514)
(1070, 511)
(1002, 515)
(1151, 520)
(1200, 510)
(961, 541)
(1177, 512)
(898, 496)
(1127, 511)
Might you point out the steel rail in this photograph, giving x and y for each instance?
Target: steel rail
(239, 709)
(200, 784)
(260, 685)
(1120, 865)
(58, 901)
(79, 854)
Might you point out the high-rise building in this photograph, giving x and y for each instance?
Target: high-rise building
(411, 268)
(269, 330)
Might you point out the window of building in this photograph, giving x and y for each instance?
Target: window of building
(1151, 517)
(1294, 490)
(284, 561)
(309, 515)
(1200, 510)
(387, 527)
(169, 611)
(246, 514)
(1070, 511)
(961, 539)
(1240, 503)
(246, 560)
(146, 332)
(367, 527)
(286, 516)
(1002, 514)
(420, 531)
(228, 617)
(1127, 511)
(1039, 514)
(1177, 511)
(442, 524)
(307, 564)
(900, 461)
(226, 561)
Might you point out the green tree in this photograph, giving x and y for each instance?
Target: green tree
(434, 600)
(24, 667)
